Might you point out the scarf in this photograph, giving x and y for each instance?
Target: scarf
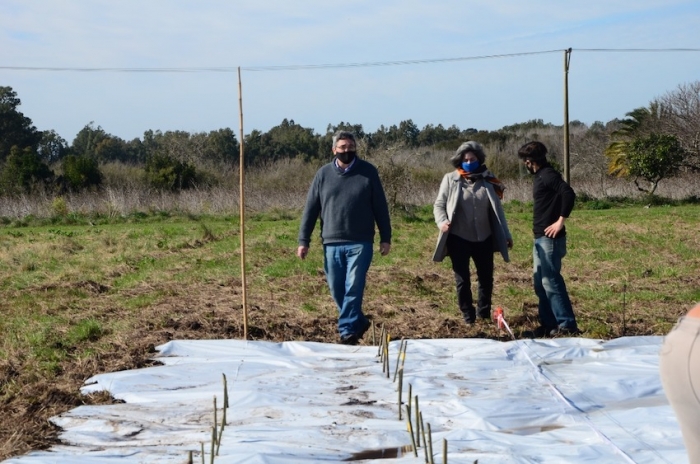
(483, 173)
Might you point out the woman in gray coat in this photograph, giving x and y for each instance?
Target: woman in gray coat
(472, 224)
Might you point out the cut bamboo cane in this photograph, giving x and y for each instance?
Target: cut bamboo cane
(398, 359)
(410, 431)
(430, 444)
(425, 439)
(400, 389)
(225, 392)
(418, 424)
(215, 421)
(213, 442)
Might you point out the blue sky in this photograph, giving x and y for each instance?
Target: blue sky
(205, 41)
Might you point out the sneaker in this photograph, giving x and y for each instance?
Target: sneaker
(564, 332)
(540, 332)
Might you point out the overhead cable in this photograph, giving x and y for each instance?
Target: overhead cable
(228, 69)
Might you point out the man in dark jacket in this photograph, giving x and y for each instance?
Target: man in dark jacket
(553, 202)
(349, 198)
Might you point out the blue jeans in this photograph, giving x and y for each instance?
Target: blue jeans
(554, 304)
(346, 266)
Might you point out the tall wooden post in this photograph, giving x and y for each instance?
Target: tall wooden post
(567, 60)
(241, 210)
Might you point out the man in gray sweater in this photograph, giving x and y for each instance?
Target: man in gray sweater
(349, 198)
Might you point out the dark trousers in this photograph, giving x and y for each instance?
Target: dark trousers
(460, 252)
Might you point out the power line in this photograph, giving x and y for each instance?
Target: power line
(269, 68)
(643, 50)
(125, 70)
(391, 63)
(337, 65)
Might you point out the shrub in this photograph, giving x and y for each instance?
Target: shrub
(81, 172)
(166, 173)
(23, 171)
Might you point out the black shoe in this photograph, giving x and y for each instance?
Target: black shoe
(484, 314)
(349, 339)
(564, 332)
(469, 316)
(364, 330)
(540, 332)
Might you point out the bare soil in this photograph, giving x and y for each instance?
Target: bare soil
(214, 311)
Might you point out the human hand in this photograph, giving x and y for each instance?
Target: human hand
(445, 226)
(553, 230)
(510, 243)
(384, 248)
(302, 251)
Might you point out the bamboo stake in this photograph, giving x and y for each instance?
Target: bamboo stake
(400, 390)
(189, 457)
(398, 359)
(380, 348)
(225, 392)
(202, 444)
(221, 431)
(241, 210)
(403, 356)
(215, 419)
(408, 402)
(444, 451)
(418, 424)
(386, 354)
(213, 442)
(425, 439)
(410, 431)
(430, 442)
(374, 336)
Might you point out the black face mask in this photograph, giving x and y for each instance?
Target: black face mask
(346, 157)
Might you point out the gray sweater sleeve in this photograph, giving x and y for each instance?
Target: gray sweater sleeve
(381, 211)
(312, 210)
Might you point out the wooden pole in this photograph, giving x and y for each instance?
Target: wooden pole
(241, 210)
(567, 61)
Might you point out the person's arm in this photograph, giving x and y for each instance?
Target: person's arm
(440, 206)
(568, 198)
(381, 214)
(312, 210)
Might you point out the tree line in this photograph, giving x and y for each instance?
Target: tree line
(649, 144)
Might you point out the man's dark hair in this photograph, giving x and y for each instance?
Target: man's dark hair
(343, 135)
(533, 151)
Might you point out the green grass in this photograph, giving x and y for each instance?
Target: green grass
(98, 293)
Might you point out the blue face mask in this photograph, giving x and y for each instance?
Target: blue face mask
(470, 167)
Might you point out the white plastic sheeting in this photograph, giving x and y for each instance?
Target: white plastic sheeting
(565, 400)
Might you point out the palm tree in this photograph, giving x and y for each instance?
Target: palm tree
(638, 123)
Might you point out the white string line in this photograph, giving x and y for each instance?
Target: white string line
(500, 320)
